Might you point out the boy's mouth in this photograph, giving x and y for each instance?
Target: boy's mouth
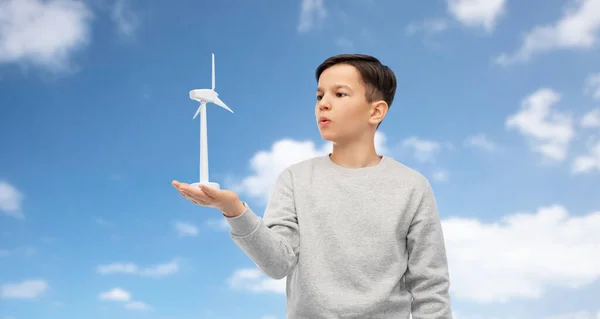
(324, 120)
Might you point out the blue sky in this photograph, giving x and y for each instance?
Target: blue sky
(497, 104)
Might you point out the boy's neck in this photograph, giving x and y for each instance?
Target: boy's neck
(355, 155)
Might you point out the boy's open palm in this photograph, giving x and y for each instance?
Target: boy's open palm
(226, 201)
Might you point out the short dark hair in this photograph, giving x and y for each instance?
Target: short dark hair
(379, 80)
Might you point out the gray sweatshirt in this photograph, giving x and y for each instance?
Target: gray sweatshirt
(352, 242)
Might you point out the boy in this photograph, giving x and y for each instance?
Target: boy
(356, 234)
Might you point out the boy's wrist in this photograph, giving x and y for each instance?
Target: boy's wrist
(235, 209)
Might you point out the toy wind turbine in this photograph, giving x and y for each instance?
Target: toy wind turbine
(205, 96)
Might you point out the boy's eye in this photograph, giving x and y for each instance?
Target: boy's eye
(319, 97)
(341, 94)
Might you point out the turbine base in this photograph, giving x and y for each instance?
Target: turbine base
(209, 184)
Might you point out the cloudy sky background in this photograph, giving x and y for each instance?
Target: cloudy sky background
(498, 105)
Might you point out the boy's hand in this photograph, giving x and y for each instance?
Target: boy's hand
(226, 201)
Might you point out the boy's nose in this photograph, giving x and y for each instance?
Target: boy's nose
(324, 105)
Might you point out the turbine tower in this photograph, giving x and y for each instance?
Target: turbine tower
(206, 96)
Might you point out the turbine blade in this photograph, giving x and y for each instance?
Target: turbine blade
(221, 104)
(213, 71)
(197, 112)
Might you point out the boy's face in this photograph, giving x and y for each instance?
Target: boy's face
(342, 100)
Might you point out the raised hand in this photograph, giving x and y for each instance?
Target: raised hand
(226, 201)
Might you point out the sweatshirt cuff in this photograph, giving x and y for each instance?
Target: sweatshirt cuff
(244, 224)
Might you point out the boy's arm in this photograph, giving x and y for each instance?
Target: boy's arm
(427, 276)
(273, 241)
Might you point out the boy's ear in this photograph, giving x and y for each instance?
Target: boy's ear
(378, 111)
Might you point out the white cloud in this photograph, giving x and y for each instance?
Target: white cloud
(121, 295)
(477, 13)
(441, 176)
(253, 280)
(103, 222)
(43, 33)
(344, 43)
(122, 268)
(592, 85)
(185, 229)
(523, 255)
(218, 224)
(115, 294)
(427, 26)
(137, 305)
(312, 13)
(159, 270)
(10, 200)
(427, 29)
(588, 162)
(424, 150)
(591, 119)
(481, 141)
(548, 131)
(267, 165)
(26, 251)
(27, 289)
(577, 315)
(126, 20)
(575, 30)
(381, 142)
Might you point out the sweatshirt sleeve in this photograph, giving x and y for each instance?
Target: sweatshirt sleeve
(272, 242)
(427, 276)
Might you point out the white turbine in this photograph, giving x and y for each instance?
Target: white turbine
(205, 96)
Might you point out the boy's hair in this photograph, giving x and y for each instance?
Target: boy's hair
(379, 80)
